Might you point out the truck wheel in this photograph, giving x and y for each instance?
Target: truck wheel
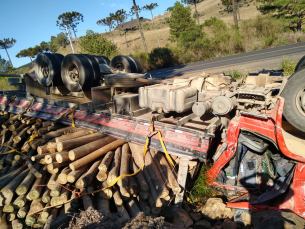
(294, 94)
(300, 65)
(59, 57)
(124, 64)
(137, 63)
(47, 70)
(96, 69)
(102, 59)
(77, 72)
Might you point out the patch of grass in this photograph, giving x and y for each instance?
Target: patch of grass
(288, 66)
(3, 85)
(202, 191)
(235, 74)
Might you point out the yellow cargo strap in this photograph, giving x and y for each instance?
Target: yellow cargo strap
(14, 150)
(152, 133)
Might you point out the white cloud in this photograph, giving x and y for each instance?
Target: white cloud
(112, 5)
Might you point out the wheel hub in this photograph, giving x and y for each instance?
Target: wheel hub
(300, 100)
(74, 74)
(45, 70)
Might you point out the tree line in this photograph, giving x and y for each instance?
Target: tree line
(291, 11)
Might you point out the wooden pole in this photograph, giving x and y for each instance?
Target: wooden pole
(85, 181)
(46, 196)
(62, 156)
(89, 148)
(4, 180)
(115, 166)
(23, 211)
(140, 177)
(36, 205)
(170, 172)
(122, 211)
(106, 161)
(117, 196)
(103, 206)
(28, 181)
(7, 193)
(20, 201)
(76, 142)
(56, 133)
(124, 168)
(62, 177)
(72, 136)
(96, 154)
(132, 207)
(52, 147)
(106, 193)
(87, 201)
(39, 143)
(143, 205)
(32, 168)
(37, 187)
(133, 187)
(74, 175)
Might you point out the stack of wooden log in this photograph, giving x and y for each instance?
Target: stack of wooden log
(63, 163)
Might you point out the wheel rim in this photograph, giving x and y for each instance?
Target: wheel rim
(45, 70)
(73, 73)
(119, 67)
(300, 100)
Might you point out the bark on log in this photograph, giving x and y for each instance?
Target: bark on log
(5, 170)
(137, 153)
(143, 205)
(144, 195)
(39, 143)
(132, 207)
(28, 181)
(37, 187)
(89, 148)
(106, 161)
(103, 206)
(42, 219)
(74, 143)
(115, 166)
(124, 168)
(39, 157)
(46, 123)
(54, 167)
(74, 175)
(86, 180)
(87, 201)
(124, 193)
(117, 196)
(42, 131)
(153, 206)
(11, 216)
(50, 158)
(170, 172)
(133, 187)
(72, 136)
(52, 216)
(56, 133)
(96, 154)
(140, 177)
(4, 180)
(152, 189)
(19, 129)
(55, 127)
(60, 200)
(7, 193)
(14, 126)
(32, 168)
(155, 176)
(122, 211)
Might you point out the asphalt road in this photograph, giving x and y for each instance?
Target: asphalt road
(242, 58)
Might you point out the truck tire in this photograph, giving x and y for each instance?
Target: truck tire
(59, 56)
(47, 69)
(300, 64)
(294, 94)
(123, 80)
(124, 64)
(137, 63)
(96, 69)
(77, 72)
(102, 59)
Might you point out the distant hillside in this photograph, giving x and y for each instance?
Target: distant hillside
(131, 24)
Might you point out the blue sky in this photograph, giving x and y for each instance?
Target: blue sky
(33, 21)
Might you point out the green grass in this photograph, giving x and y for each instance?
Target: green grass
(201, 191)
(3, 84)
(288, 66)
(235, 74)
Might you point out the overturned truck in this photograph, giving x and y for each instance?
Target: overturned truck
(250, 129)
